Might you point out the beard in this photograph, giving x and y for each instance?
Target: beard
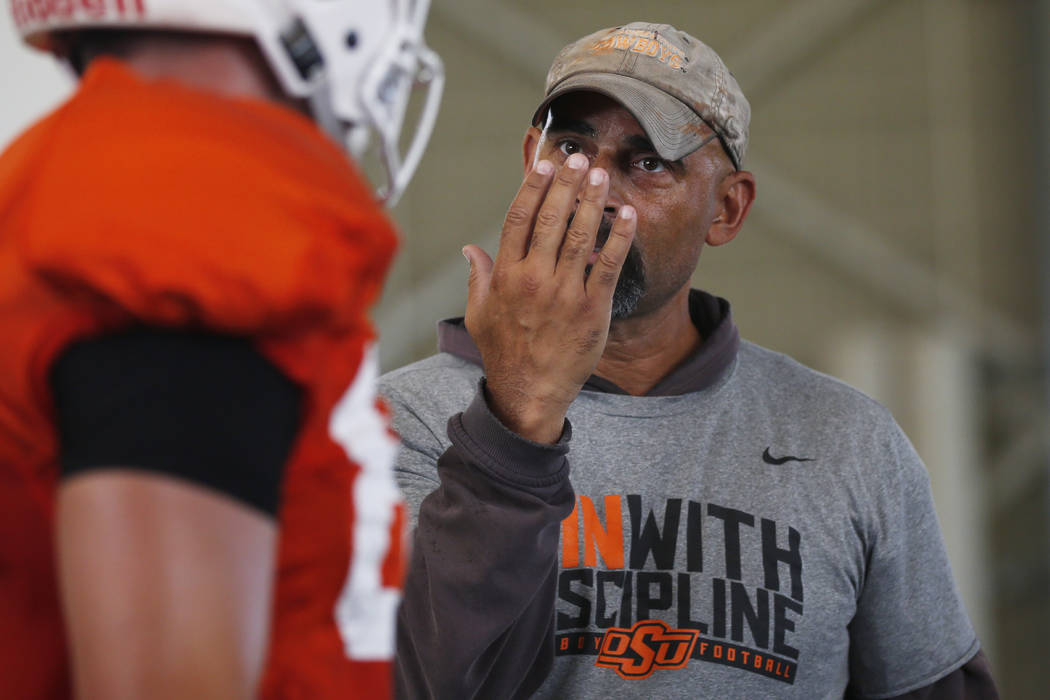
(630, 286)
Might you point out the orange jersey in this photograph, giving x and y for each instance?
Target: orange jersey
(146, 202)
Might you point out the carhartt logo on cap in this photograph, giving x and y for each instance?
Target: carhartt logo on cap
(647, 43)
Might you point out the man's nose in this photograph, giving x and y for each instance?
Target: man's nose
(615, 198)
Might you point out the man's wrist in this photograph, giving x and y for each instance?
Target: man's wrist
(528, 418)
(491, 446)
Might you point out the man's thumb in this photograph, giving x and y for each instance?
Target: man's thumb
(480, 269)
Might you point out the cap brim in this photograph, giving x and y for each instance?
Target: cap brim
(674, 129)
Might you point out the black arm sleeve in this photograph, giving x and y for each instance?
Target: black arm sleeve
(205, 408)
(971, 681)
(477, 619)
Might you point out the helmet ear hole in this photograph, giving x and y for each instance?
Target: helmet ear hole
(302, 49)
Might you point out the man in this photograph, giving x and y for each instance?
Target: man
(741, 527)
(187, 261)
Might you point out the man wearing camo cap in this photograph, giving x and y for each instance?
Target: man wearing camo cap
(737, 525)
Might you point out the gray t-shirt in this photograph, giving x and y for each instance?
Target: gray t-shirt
(768, 535)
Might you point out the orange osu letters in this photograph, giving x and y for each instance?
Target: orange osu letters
(635, 653)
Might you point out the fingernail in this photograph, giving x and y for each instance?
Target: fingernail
(544, 167)
(467, 257)
(577, 161)
(626, 212)
(597, 176)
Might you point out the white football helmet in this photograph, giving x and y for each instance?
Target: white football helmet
(355, 61)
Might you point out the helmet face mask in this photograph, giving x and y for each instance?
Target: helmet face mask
(356, 62)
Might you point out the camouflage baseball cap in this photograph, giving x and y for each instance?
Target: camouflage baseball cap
(670, 81)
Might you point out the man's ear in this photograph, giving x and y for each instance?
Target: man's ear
(529, 146)
(737, 193)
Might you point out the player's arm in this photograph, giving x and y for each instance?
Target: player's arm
(165, 587)
(173, 447)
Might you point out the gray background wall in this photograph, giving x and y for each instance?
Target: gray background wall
(899, 240)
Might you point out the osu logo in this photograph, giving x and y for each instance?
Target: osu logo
(649, 645)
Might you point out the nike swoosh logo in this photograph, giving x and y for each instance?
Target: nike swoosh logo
(770, 459)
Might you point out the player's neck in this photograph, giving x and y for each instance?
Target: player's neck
(643, 350)
(219, 65)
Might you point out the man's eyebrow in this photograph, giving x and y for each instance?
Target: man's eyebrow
(573, 126)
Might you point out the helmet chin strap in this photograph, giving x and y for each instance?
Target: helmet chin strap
(320, 101)
(357, 139)
(353, 138)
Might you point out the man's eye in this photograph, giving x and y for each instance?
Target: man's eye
(651, 164)
(569, 147)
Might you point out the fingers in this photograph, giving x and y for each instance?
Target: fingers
(521, 216)
(579, 240)
(535, 224)
(606, 269)
(553, 215)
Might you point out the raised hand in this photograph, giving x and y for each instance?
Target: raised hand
(538, 317)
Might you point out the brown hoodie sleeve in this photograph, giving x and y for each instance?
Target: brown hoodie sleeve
(466, 630)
